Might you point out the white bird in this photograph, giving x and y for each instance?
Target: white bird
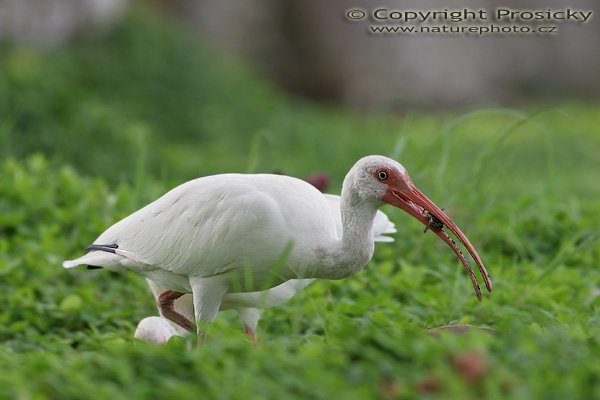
(250, 305)
(249, 232)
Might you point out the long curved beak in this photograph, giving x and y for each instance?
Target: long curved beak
(404, 195)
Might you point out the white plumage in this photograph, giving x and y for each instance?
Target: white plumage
(249, 305)
(237, 233)
(193, 229)
(157, 330)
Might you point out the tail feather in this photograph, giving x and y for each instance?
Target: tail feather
(98, 256)
(94, 259)
(110, 248)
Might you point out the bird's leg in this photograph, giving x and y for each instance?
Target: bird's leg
(166, 305)
(207, 294)
(250, 333)
(249, 316)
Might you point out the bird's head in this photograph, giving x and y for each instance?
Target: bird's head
(381, 179)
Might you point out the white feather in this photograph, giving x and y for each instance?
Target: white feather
(240, 232)
(190, 230)
(250, 305)
(157, 330)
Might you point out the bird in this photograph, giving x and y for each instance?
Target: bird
(229, 233)
(250, 305)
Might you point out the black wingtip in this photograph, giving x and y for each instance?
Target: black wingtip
(110, 248)
(93, 267)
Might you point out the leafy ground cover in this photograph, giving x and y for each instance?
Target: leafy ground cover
(91, 132)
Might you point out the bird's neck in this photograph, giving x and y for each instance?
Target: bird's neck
(350, 254)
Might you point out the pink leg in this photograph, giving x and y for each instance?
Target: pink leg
(166, 305)
(250, 333)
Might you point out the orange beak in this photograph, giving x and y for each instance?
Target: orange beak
(402, 193)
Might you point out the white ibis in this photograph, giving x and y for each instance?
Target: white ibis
(246, 232)
(249, 305)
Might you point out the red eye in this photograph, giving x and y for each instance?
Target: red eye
(382, 175)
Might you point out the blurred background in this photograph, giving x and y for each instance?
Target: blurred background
(310, 49)
(106, 104)
(101, 83)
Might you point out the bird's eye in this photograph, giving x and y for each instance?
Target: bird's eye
(382, 175)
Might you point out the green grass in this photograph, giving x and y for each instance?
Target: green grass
(91, 132)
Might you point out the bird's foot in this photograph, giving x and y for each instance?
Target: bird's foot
(166, 305)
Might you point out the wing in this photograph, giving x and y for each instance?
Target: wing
(213, 224)
(266, 298)
(381, 225)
